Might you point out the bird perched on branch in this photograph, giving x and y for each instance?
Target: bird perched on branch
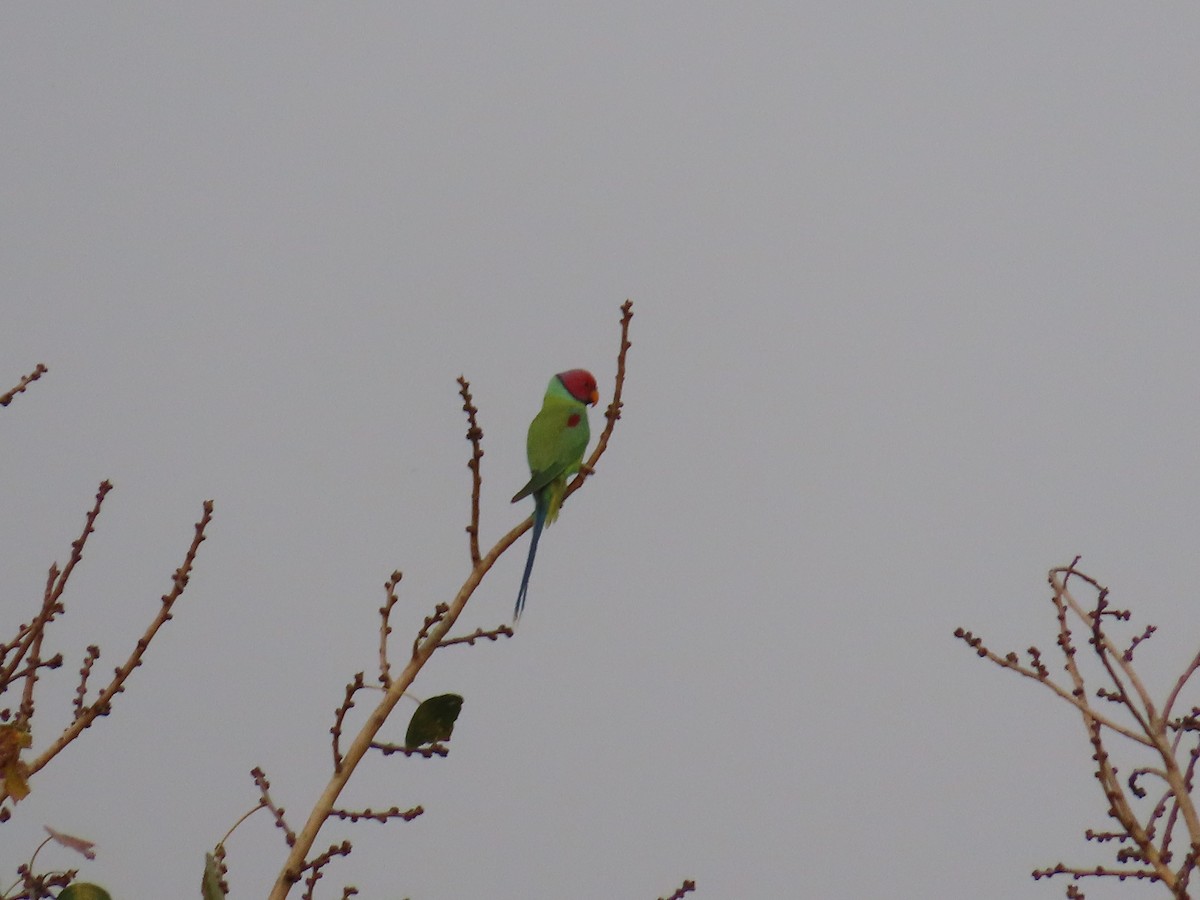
(558, 437)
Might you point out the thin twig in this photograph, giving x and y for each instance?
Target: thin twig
(103, 702)
(264, 791)
(1105, 649)
(1042, 675)
(429, 751)
(385, 628)
(686, 888)
(340, 716)
(612, 412)
(318, 863)
(385, 815)
(475, 436)
(27, 380)
(56, 583)
(85, 671)
(436, 617)
(1179, 683)
(262, 804)
(479, 634)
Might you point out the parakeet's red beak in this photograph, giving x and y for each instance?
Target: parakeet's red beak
(594, 398)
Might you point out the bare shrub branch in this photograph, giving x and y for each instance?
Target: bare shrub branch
(102, 705)
(21, 659)
(686, 888)
(475, 436)
(22, 662)
(1156, 837)
(25, 381)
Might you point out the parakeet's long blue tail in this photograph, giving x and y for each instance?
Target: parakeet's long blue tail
(539, 521)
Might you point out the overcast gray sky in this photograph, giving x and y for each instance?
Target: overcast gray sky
(916, 319)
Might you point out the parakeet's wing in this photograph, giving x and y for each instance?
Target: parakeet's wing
(558, 437)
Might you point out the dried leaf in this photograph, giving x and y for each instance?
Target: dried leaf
(79, 845)
(14, 739)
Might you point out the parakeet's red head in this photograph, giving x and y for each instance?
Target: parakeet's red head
(580, 384)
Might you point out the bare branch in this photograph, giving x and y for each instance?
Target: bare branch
(371, 815)
(385, 628)
(103, 702)
(475, 436)
(27, 380)
(347, 704)
(436, 617)
(318, 863)
(479, 634)
(1147, 826)
(85, 671)
(29, 638)
(1179, 683)
(429, 751)
(686, 888)
(264, 788)
(1040, 674)
(613, 412)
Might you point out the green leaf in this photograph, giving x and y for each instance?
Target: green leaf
(210, 885)
(433, 720)
(81, 890)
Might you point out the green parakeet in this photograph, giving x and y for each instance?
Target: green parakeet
(558, 437)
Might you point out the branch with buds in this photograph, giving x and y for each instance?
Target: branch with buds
(8, 397)
(24, 660)
(1156, 833)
